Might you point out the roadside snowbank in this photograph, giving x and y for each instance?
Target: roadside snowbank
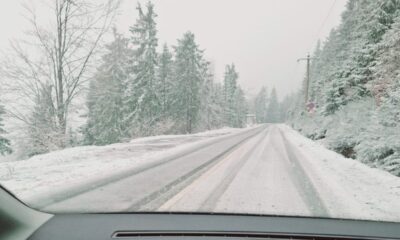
(350, 189)
(45, 174)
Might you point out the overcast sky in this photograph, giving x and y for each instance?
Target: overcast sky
(264, 38)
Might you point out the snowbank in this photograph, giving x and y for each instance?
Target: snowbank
(349, 188)
(42, 175)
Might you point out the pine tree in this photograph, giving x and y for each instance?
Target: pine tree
(230, 86)
(273, 111)
(358, 63)
(260, 106)
(165, 78)
(142, 96)
(206, 98)
(286, 107)
(43, 133)
(105, 122)
(241, 108)
(189, 78)
(364, 23)
(216, 106)
(385, 72)
(5, 144)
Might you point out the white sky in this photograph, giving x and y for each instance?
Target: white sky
(264, 38)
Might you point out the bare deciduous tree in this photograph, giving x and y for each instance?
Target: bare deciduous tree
(55, 58)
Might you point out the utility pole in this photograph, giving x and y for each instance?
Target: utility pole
(308, 59)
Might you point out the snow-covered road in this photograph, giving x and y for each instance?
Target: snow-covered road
(258, 177)
(266, 170)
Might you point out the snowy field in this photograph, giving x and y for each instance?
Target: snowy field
(69, 168)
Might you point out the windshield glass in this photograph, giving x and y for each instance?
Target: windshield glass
(264, 107)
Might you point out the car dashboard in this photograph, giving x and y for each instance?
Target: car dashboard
(207, 226)
(18, 221)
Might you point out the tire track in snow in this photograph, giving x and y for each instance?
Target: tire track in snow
(264, 184)
(75, 191)
(304, 185)
(211, 202)
(160, 196)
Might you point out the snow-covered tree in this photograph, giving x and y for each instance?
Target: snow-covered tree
(286, 107)
(355, 84)
(216, 106)
(142, 101)
(105, 122)
(165, 80)
(43, 133)
(260, 105)
(188, 81)
(206, 108)
(241, 108)
(58, 52)
(364, 23)
(273, 111)
(230, 87)
(5, 144)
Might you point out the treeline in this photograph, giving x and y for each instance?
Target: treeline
(355, 86)
(267, 107)
(138, 91)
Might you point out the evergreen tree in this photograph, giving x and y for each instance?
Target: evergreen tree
(230, 87)
(241, 108)
(43, 133)
(5, 145)
(286, 107)
(105, 122)
(385, 73)
(206, 99)
(273, 111)
(260, 106)
(358, 63)
(142, 103)
(165, 78)
(215, 106)
(189, 78)
(218, 99)
(364, 23)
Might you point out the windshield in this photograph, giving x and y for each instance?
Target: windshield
(272, 107)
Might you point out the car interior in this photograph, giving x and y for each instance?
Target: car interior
(18, 221)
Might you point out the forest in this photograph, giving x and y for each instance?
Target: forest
(129, 86)
(134, 86)
(355, 85)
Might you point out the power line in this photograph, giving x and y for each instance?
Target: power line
(323, 24)
(308, 58)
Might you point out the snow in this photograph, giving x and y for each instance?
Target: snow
(274, 189)
(349, 188)
(252, 179)
(63, 170)
(256, 177)
(263, 181)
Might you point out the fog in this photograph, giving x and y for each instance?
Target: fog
(264, 38)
